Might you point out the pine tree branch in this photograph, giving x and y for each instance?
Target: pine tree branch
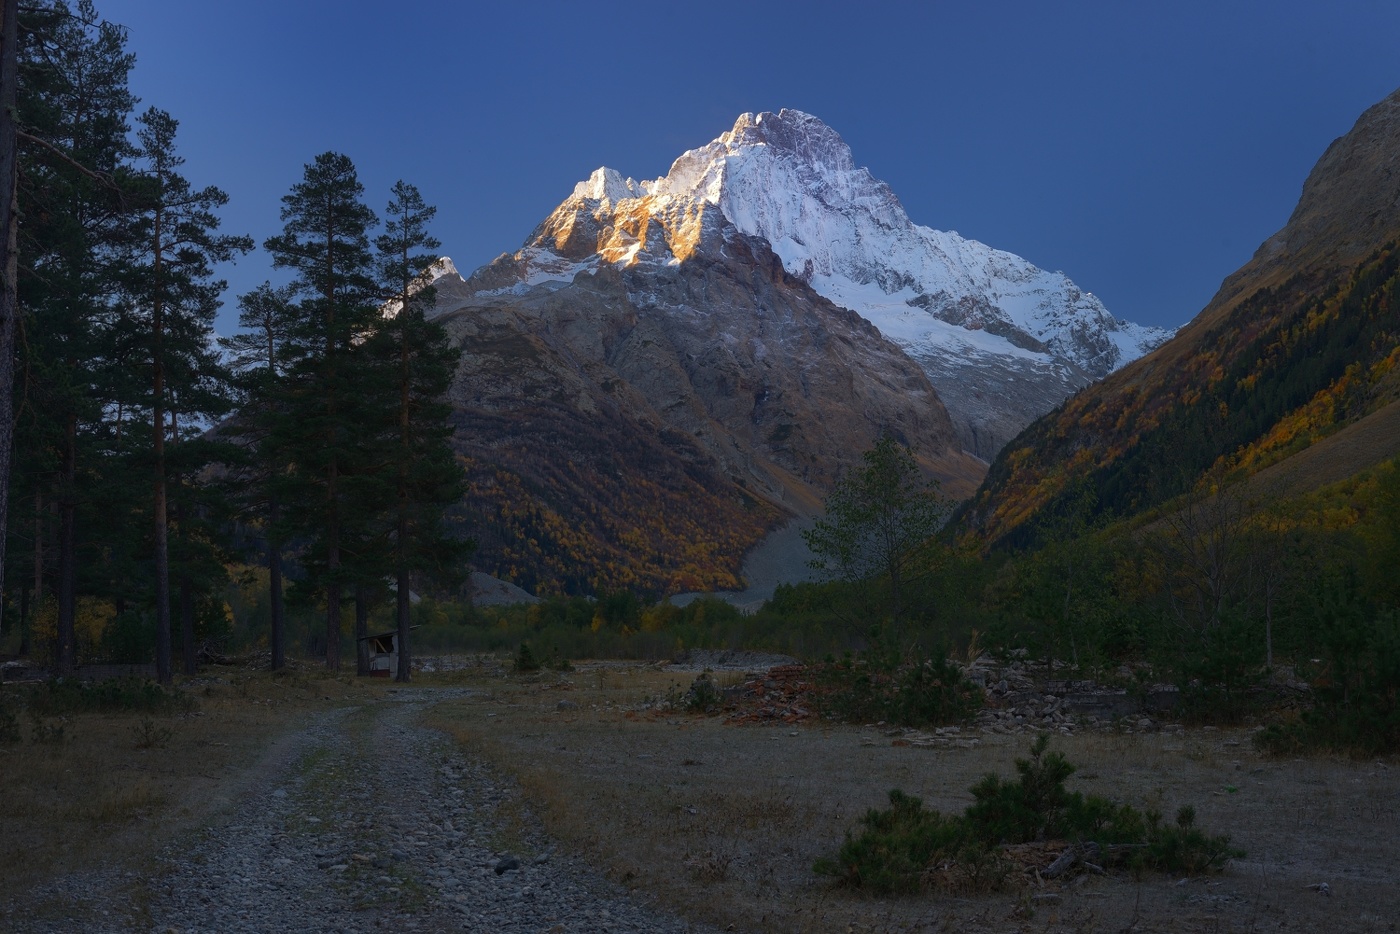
(101, 178)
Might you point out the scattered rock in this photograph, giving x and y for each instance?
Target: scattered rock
(270, 867)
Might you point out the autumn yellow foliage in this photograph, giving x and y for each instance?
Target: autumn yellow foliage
(91, 618)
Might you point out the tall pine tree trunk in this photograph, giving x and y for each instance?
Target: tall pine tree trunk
(401, 612)
(332, 501)
(401, 531)
(66, 651)
(361, 629)
(164, 661)
(333, 627)
(9, 263)
(333, 583)
(191, 655)
(278, 635)
(24, 646)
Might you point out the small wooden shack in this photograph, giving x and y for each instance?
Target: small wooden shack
(384, 653)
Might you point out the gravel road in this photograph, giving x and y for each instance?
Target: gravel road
(370, 823)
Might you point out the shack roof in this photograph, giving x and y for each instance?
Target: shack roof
(385, 635)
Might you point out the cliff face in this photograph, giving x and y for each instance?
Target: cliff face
(666, 368)
(1000, 340)
(1350, 203)
(1297, 344)
(663, 414)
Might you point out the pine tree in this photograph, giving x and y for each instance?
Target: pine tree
(880, 521)
(72, 105)
(173, 299)
(9, 253)
(259, 356)
(325, 242)
(419, 362)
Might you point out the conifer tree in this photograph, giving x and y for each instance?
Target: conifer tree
(880, 520)
(415, 356)
(325, 242)
(173, 299)
(259, 356)
(9, 252)
(72, 105)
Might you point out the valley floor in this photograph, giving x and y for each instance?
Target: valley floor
(371, 808)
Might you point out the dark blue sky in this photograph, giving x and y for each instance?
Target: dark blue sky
(1145, 149)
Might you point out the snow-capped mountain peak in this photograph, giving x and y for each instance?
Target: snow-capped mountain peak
(1002, 340)
(608, 184)
(443, 267)
(791, 179)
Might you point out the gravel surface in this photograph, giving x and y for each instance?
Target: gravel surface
(373, 823)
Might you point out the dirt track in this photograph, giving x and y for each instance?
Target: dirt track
(363, 820)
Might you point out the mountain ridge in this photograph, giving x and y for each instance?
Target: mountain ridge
(685, 318)
(1001, 340)
(706, 401)
(1297, 344)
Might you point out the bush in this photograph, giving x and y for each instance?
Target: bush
(525, 660)
(1356, 688)
(65, 696)
(898, 847)
(704, 695)
(130, 639)
(150, 736)
(9, 724)
(1034, 807)
(907, 849)
(927, 692)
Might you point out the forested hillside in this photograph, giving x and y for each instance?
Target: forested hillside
(1298, 344)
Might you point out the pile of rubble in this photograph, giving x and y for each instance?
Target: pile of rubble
(782, 695)
(1015, 701)
(943, 737)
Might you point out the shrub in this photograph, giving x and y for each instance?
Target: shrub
(926, 692)
(1356, 689)
(704, 695)
(1034, 807)
(906, 848)
(9, 724)
(898, 847)
(525, 660)
(150, 736)
(63, 696)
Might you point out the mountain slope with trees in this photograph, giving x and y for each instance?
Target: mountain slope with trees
(1299, 343)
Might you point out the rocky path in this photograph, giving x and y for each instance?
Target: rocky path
(374, 824)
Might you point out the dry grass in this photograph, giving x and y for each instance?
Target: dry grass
(118, 786)
(724, 822)
(1359, 446)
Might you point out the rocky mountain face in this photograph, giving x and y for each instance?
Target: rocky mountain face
(645, 423)
(1298, 344)
(1001, 340)
(667, 368)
